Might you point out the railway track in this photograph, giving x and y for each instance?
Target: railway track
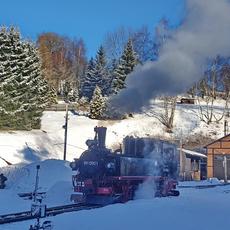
(203, 186)
(52, 211)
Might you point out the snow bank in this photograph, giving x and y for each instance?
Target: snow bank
(22, 177)
(54, 178)
(192, 210)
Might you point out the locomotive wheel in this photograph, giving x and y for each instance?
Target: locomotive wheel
(158, 194)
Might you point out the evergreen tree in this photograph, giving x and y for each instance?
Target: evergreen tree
(52, 95)
(23, 91)
(39, 90)
(97, 104)
(96, 75)
(10, 54)
(126, 65)
(101, 75)
(87, 83)
(111, 76)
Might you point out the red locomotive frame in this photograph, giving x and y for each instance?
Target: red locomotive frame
(119, 189)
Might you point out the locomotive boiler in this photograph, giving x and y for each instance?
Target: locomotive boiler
(104, 176)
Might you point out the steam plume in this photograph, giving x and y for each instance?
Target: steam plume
(204, 34)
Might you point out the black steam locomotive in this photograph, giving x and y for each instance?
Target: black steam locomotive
(103, 176)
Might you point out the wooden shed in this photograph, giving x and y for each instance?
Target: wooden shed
(218, 162)
(192, 165)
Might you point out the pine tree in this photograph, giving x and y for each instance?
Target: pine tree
(126, 65)
(97, 104)
(96, 75)
(10, 51)
(23, 91)
(100, 71)
(111, 76)
(87, 83)
(33, 89)
(52, 94)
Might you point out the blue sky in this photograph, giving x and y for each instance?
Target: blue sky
(89, 19)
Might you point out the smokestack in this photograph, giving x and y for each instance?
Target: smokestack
(203, 34)
(101, 135)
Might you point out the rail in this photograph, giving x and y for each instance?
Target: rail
(52, 211)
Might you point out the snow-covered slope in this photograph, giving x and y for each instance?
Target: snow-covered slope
(27, 147)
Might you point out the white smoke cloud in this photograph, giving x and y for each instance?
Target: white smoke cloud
(204, 34)
(161, 157)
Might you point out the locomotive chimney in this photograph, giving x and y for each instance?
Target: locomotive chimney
(100, 135)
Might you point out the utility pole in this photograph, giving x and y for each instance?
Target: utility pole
(66, 128)
(225, 127)
(182, 158)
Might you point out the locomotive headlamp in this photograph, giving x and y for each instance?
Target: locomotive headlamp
(72, 165)
(110, 165)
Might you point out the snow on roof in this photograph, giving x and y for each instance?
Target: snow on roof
(193, 153)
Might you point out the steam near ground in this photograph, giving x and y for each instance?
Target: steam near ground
(203, 34)
(163, 159)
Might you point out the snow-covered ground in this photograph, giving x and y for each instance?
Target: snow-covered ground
(193, 209)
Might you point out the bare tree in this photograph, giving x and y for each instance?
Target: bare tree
(216, 82)
(162, 34)
(208, 113)
(226, 82)
(143, 44)
(115, 42)
(225, 72)
(167, 114)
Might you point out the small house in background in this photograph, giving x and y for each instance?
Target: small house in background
(187, 101)
(192, 165)
(218, 161)
(184, 100)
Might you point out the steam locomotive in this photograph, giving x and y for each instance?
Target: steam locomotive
(104, 176)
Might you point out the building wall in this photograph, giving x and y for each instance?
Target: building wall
(215, 151)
